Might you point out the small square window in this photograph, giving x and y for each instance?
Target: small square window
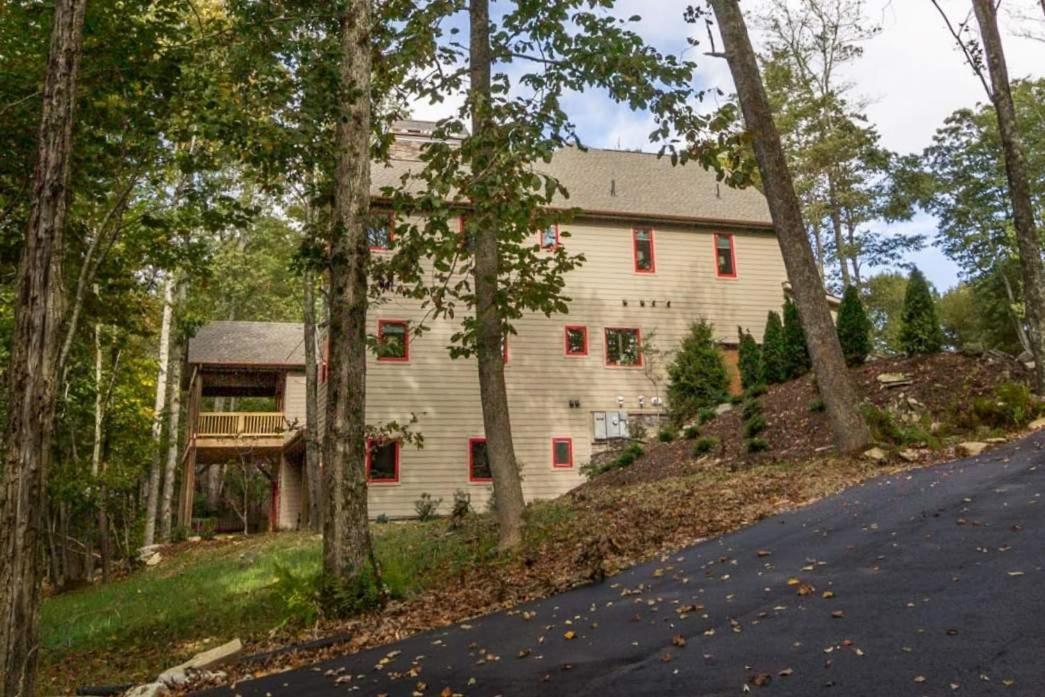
(550, 237)
(379, 231)
(623, 347)
(478, 461)
(725, 257)
(642, 239)
(382, 461)
(576, 341)
(393, 341)
(562, 453)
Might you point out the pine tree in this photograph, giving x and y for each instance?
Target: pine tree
(697, 378)
(795, 350)
(774, 356)
(920, 329)
(749, 360)
(854, 329)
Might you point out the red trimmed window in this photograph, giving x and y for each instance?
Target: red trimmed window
(642, 245)
(725, 256)
(562, 453)
(576, 340)
(380, 231)
(623, 347)
(549, 237)
(393, 340)
(478, 461)
(382, 461)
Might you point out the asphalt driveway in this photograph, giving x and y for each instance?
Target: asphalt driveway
(927, 583)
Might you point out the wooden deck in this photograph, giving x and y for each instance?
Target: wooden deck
(224, 436)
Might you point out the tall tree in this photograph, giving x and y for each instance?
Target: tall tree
(841, 171)
(347, 548)
(489, 325)
(313, 454)
(170, 468)
(33, 367)
(163, 364)
(500, 274)
(847, 423)
(1027, 237)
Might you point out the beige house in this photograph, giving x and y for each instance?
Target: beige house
(665, 246)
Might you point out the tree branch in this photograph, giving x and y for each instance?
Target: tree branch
(956, 33)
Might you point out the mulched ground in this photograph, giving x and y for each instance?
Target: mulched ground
(942, 383)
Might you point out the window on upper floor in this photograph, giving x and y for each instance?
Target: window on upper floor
(562, 453)
(393, 340)
(478, 461)
(382, 461)
(379, 231)
(725, 256)
(642, 244)
(549, 237)
(576, 340)
(623, 347)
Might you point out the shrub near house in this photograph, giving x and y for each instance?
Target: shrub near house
(697, 378)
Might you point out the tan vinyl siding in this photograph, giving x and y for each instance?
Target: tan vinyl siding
(290, 495)
(294, 400)
(444, 393)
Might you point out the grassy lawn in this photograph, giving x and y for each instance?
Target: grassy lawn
(210, 592)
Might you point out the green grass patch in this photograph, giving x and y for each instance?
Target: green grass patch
(215, 591)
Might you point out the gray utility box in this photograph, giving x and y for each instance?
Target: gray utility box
(610, 424)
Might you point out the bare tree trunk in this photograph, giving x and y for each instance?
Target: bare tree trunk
(836, 227)
(173, 442)
(850, 228)
(847, 423)
(153, 492)
(214, 475)
(1019, 184)
(33, 364)
(1021, 331)
(818, 233)
(490, 331)
(347, 547)
(312, 442)
(96, 451)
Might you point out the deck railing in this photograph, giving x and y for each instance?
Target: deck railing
(240, 423)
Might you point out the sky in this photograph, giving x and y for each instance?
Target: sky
(911, 74)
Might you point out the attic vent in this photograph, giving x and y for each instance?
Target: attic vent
(613, 187)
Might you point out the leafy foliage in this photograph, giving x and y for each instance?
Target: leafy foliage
(854, 329)
(697, 377)
(920, 330)
(704, 445)
(774, 350)
(427, 507)
(1011, 406)
(883, 304)
(749, 360)
(796, 353)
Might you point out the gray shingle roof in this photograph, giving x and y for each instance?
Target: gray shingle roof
(248, 343)
(632, 184)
